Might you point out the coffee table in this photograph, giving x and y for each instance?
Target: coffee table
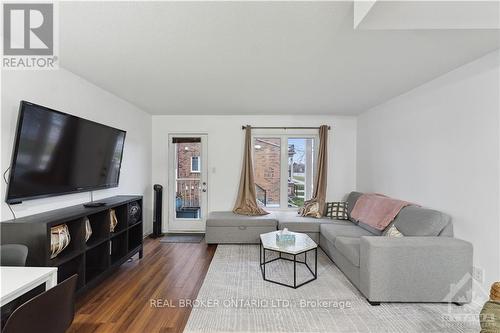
(303, 245)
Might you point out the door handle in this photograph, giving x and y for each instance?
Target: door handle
(204, 190)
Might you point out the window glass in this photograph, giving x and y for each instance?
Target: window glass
(195, 164)
(187, 179)
(267, 169)
(300, 164)
(300, 170)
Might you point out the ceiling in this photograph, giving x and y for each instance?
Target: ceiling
(218, 58)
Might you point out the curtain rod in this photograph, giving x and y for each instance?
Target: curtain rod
(283, 128)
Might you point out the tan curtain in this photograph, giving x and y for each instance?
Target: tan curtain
(246, 202)
(315, 207)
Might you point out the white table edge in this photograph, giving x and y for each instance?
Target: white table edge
(284, 250)
(49, 278)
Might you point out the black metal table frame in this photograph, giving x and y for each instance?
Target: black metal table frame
(263, 262)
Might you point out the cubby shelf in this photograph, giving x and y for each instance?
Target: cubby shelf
(131, 225)
(135, 236)
(91, 245)
(63, 258)
(118, 247)
(117, 233)
(91, 260)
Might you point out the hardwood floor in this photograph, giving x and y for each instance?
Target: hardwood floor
(123, 302)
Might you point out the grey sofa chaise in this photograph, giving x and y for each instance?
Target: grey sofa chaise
(426, 265)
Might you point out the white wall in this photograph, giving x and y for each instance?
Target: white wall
(438, 145)
(64, 91)
(225, 151)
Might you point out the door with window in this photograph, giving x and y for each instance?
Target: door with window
(284, 167)
(188, 185)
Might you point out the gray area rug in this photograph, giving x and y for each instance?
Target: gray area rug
(182, 238)
(234, 298)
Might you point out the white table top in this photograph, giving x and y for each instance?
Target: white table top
(19, 279)
(302, 243)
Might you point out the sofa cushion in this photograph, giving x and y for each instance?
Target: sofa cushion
(418, 221)
(370, 228)
(295, 222)
(447, 230)
(230, 219)
(349, 247)
(351, 202)
(332, 231)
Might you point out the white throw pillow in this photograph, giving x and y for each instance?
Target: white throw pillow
(393, 232)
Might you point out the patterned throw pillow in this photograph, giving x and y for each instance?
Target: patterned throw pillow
(337, 210)
(392, 231)
(310, 209)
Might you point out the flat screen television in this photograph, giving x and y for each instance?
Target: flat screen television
(56, 153)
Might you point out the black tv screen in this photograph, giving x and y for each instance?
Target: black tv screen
(57, 153)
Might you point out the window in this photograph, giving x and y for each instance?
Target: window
(195, 164)
(300, 170)
(267, 170)
(283, 170)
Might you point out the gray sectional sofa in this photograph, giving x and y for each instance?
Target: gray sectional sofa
(426, 265)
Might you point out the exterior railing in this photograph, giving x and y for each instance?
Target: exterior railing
(188, 193)
(261, 194)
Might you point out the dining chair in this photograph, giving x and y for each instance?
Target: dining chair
(52, 311)
(13, 255)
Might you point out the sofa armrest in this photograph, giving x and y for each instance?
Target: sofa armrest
(415, 269)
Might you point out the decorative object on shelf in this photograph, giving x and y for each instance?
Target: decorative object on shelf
(59, 239)
(88, 229)
(113, 220)
(134, 212)
(490, 314)
(285, 237)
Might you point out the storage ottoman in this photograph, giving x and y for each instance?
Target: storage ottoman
(228, 227)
